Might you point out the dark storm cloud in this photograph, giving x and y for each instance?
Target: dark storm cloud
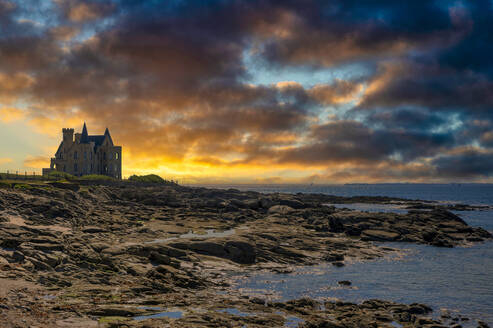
(406, 119)
(426, 84)
(474, 51)
(329, 32)
(352, 141)
(173, 73)
(465, 165)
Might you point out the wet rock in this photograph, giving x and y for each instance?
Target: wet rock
(334, 257)
(159, 258)
(113, 312)
(266, 203)
(240, 252)
(344, 283)
(320, 323)
(236, 251)
(416, 308)
(92, 229)
(335, 225)
(293, 203)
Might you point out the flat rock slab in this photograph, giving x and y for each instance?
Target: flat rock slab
(379, 235)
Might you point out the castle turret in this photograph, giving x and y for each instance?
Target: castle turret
(68, 135)
(89, 154)
(85, 137)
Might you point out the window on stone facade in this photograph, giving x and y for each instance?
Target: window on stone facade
(75, 167)
(75, 155)
(64, 168)
(104, 155)
(92, 167)
(85, 155)
(90, 155)
(116, 155)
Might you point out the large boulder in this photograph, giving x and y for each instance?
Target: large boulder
(293, 203)
(236, 251)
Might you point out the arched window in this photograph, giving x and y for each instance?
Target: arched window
(116, 155)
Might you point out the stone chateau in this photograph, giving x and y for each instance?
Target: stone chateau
(86, 154)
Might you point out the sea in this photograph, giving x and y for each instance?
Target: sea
(455, 282)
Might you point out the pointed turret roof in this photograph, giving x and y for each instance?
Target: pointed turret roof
(84, 138)
(107, 134)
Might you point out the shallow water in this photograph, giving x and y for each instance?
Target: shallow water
(457, 279)
(169, 314)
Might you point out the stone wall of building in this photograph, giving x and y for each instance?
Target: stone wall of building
(83, 154)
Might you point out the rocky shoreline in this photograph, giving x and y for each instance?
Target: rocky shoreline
(154, 256)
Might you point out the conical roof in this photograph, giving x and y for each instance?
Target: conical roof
(84, 138)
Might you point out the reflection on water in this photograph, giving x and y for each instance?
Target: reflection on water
(170, 314)
(457, 279)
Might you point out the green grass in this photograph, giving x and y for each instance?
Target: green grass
(108, 320)
(22, 186)
(95, 177)
(4, 184)
(57, 175)
(152, 178)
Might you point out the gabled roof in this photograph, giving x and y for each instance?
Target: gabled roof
(107, 134)
(97, 139)
(85, 138)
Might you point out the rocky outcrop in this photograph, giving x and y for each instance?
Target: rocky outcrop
(236, 251)
(120, 251)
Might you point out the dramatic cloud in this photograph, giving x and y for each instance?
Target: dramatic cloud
(36, 162)
(471, 163)
(406, 87)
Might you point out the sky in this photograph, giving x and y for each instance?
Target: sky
(254, 91)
